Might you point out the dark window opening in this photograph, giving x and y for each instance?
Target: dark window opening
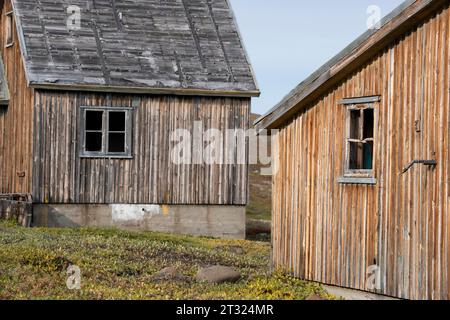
(116, 131)
(116, 142)
(94, 141)
(368, 123)
(368, 156)
(354, 123)
(360, 137)
(116, 121)
(94, 120)
(94, 131)
(106, 132)
(355, 155)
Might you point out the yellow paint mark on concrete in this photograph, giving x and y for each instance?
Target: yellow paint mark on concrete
(165, 210)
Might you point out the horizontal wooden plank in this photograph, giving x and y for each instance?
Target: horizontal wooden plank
(360, 100)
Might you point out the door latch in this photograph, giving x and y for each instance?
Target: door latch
(431, 163)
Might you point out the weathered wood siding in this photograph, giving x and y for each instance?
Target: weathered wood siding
(16, 119)
(61, 176)
(329, 232)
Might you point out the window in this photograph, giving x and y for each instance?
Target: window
(9, 29)
(360, 138)
(360, 141)
(106, 132)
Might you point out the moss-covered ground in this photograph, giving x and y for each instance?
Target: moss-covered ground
(120, 265)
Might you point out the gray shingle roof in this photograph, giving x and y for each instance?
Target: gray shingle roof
(135, 45)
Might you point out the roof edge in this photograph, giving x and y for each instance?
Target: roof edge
(143, 90)
(21, 40)
(241, 39)
(357, 53)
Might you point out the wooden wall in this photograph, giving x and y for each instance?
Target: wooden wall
(329, 232)
(15, 119)
(54, 173)
(61, 176)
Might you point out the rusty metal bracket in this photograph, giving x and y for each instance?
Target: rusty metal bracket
(431, 163)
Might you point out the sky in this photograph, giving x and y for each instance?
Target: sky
(287, 40)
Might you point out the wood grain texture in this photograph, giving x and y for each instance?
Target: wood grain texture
(330, 232)
(150, 177)
(16, 119)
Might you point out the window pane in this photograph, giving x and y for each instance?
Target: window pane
(116, 121)
(368, 123)
(355, 116)
(94, 120)
(93, 141)
(368, 156)
(116, 142)
(356, 156)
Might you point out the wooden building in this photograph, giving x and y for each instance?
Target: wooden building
(361, 194)
(90, 93)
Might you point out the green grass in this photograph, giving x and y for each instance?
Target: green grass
(120, 265)
(260, 202)
(256, 211)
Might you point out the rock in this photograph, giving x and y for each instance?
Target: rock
(218, 274)
(169, 273)
(236, 250)
(315, 297)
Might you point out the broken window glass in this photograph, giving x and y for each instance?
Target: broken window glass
(361, 137)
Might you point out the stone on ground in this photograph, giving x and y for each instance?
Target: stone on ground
(218, 274)
(236, 250)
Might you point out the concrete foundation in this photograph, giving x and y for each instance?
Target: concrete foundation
(210, 221)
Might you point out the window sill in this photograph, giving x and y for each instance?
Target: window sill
(105, 157)
(357, 180)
